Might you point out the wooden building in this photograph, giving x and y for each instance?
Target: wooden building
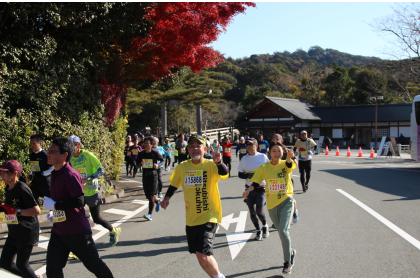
(345, 125)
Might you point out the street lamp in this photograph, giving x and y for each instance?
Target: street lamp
(375, 99)
(199, 115)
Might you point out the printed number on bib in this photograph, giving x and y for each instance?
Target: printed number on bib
(59, 216)
(276, 185)
(11, 219)
(147, 163)
(193, 178)
(262, 147)
(242, 151)
(35, 166)
(227, 150)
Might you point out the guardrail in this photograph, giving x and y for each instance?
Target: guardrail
(214, 133)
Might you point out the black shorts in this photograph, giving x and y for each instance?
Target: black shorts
(227, 160)
(200, 238)
(150, 184)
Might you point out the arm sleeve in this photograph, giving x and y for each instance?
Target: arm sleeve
(170, 192)
(75, 202)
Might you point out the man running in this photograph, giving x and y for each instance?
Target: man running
(305, 147)
(227, 153)
(255, 199)
(71, 231)
(263, 144)
(241, 148)
(40, 169)
(181, 147)
(90, 169)
(203, 207)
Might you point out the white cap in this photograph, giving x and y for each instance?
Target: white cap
(75, 139)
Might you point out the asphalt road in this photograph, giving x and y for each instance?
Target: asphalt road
(358, 219)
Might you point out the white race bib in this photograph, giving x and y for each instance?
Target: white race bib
(11, 219)
(147, 163)
(59, 216)
(242, 151)
(35, 166)
(193, 178)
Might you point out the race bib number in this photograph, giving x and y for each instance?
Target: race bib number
(59, 216)
(11, 219)
(147, 163)
(227, 150)
(35, 166)
(276, 185)
(193, 178)
(242, 151)
(135, 152)
(262, 147)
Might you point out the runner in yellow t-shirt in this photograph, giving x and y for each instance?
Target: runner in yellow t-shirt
(199, 179)
(277, 175)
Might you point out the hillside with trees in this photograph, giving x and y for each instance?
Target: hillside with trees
(317, 76)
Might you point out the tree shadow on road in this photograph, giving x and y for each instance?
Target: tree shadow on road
(241, 274)
(384, 180)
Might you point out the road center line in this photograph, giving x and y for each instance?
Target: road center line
(42, 269)
(383, 220)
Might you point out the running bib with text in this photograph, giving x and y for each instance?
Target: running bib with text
(276, 185)
(11, 219)
(135, 152)
(242, 151)
(59, 216)
(262, 147)
(82, 172)
(227, 150)
(193, 178)
(35, 166)
(147, 163)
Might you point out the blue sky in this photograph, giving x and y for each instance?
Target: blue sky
(277, 27)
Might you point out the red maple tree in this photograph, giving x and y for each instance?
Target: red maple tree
(179, 36)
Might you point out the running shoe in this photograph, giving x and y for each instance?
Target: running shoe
(148, 217)
(292, 258)
(114, 236)
(258, 236)
(265, 231)
(157, 207)
(295, 216)
(72, 256)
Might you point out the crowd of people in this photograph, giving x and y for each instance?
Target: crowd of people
(64, 181)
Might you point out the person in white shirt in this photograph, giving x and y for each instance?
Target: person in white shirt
(255, 198)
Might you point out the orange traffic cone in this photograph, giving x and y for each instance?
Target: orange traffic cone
(348, 151)
(372, 153)
(326, 150)
(360, 153)
(337, 151)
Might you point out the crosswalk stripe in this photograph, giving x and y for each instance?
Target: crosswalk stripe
(118, 212)
(138, 201)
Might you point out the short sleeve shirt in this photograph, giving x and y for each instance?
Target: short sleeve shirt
(305, 148)
(27, 229)
(201, 191)
(278, 180)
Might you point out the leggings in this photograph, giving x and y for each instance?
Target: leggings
(305, 171)
(97, 219)
(159, 178)
(11, 249)
(256, 198)
(83, 246)
(167, 161)
(227, 161)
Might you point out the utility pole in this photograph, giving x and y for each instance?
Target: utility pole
(198, 118)
(375, 99)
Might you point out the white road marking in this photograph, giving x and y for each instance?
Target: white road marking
(383, 220)
(137, 201)
(118, 212)
(43, 242)
(129, 181)
(237, 239)
(42, 270)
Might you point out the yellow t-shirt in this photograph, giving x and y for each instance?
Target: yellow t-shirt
(201, 191)
(278, 180)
